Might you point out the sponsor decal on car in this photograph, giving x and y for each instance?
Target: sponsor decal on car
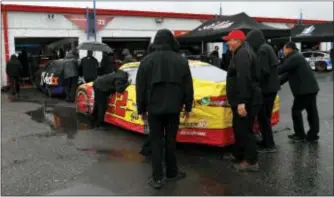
(192, 133)
(49, 79)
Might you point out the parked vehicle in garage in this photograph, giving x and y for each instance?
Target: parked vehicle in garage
(318, 60)
(210, 122)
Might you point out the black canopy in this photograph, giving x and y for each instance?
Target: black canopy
(214, 29)
(317, 32)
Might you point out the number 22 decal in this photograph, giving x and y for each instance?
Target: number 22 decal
(118, 103)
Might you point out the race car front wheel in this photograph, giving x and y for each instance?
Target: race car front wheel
(321, 66)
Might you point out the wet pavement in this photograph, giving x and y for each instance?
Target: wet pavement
(48, 149)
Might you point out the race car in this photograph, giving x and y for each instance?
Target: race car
(210, 122)
(49, 79)
(318, 60)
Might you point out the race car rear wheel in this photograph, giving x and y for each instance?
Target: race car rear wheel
(320, 66)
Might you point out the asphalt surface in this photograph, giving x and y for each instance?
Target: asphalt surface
(44, 155)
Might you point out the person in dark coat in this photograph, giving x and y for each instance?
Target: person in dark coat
(14, 70)
(163, 87)
(104, 86)
(89, 66)
(23, 58)
(245, 97)
(331, 54)
(226, 60)
(107, 64)
(127, 56)
(270, 84)
(305, 88)
(146, 149)
(71, 75)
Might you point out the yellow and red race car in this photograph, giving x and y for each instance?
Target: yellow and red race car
(210, 122)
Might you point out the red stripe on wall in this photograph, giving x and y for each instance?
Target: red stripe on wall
(5, 34)
(71, 10)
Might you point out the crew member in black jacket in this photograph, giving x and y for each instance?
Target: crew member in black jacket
(14, 70)
(163, 87)
(104, 86)
(244, 96)
(89, 66)
(305, 88)
(270, 84)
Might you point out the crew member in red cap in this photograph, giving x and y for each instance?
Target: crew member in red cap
(244, 96)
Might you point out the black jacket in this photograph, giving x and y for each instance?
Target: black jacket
(299, 74)
(112, 82)
(226, 60)
(71, 66)
(331, 54)
(89, 66)
(14, 67)
(242, 81)
(107, 65)
(164, 82)
(267, 61)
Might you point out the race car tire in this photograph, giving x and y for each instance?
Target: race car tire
(321, 66)
(82, 97)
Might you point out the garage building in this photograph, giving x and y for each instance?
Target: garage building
(24, 24)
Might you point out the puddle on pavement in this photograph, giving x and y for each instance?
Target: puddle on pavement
(116, 154)
(61, 119)
(211, 187)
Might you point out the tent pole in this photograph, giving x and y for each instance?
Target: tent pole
(202, 48)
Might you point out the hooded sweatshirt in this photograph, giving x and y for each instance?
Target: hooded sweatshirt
(71, 66)
(127, 56)
(267, 61)
(14, 67)
(164, 82)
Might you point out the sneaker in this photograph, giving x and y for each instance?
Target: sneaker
(296, 137)
(179, 176)
(267, 150)
(156, 184)
(244, 166)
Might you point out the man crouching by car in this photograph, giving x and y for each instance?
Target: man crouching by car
(104, 86)
(244, 96)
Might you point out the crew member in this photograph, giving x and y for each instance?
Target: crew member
(127, 56)
(107, 64)
(269, 82)
(305, 88)
(163, 87)
(14, 70)
(71, 75)
(104, 86)
(89, 66)
(244, 96)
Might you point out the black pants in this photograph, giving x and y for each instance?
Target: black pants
(308, 102)
(244, 148)
(163, 125)
(100, 105)
(71, 85)
(264, 119)
(146, 148)
(14, 85)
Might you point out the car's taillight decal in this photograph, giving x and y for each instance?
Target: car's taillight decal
(216, 101)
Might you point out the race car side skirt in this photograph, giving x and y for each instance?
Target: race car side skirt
(212, 137)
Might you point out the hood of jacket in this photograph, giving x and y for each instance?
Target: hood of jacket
(125, 52)
(70, 55)
(255, 39)
(165, 40)
(13, 58)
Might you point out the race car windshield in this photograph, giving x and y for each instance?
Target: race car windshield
(204, 72)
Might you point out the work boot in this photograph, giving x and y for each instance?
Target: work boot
(158, 184)
(245, 166)
(267, 150)
(296, 137)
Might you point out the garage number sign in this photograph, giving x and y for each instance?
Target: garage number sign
(81, 22)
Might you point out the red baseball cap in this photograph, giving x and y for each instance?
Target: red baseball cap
(235, 34)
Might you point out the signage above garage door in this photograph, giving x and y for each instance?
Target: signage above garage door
(81, 22)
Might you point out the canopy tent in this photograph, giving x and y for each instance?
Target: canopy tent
(213, 30)
(322, 32)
